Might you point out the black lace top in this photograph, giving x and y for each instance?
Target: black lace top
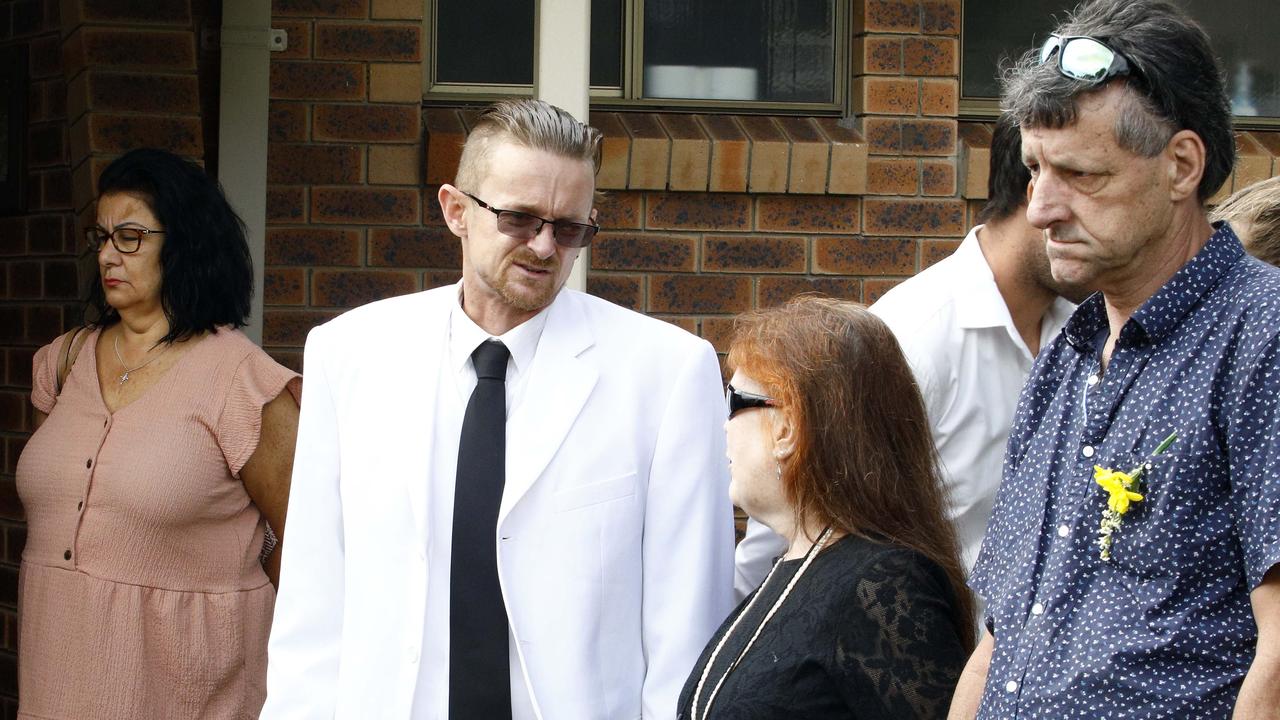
(867, 632)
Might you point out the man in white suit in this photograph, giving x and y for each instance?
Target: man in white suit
(612, 544)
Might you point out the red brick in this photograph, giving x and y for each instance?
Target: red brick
(931, 218)
(929, 137)
(938, 177)
(356, 205)
(690, 152)
(931, 56)
(893, 176)
(884, 135)
(801, 214)
(286, 204)
(687, 324)
(445, 136)
(864, 256)
(368, 42)
(321, 8)
(718, 331)
(349, 288)
(624, 290)
(121, 133)
(699, 294)
(887, 16)
(878, 55)
(156, 50)
(291, 359)
(621, 211)
(366, 123)
(431, 214)
(873, 289)
(286, 122)
(640, 251)
(143, 93)
(317, 81)
(940, 97)
(284, 286)
(615, 150)
(432, 247)
(440, 278)
(310, 164)
(774, 291)
(931, 251)
(941, 17)
(698, 211)
(770, 154)
(730, 153)
(886, 96)
(650, 152)
(754, 253)
(299, 33)
(155, 12)
(289, 328)
(312, 246)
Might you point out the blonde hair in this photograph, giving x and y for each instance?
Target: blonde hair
(530, 123)
(1257, 208)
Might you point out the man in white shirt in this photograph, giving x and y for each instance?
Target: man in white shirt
(970, 326)
(509, 499)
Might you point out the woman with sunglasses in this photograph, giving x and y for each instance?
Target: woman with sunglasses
(162, 451)
(867, 614)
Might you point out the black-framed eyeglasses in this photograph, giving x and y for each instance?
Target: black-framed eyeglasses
(125, 239)
(524, 226)
(739, 400)
(1084, 58)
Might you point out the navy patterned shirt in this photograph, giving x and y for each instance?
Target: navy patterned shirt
(1164, 628)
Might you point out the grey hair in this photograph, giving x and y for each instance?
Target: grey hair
(530, 123)
(1176, 83)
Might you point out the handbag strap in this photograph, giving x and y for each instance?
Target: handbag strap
(70, 351)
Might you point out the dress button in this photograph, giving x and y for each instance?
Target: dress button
(1063, 531)
(66, 555)
(1037, 609)
(1011, 686)
(88, 463)
(80, 505)
(1093, 380)
(1087, 451)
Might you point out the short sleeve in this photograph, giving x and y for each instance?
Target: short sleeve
(899, 641)
(257, 381)
(1253, 445)
(44, 375)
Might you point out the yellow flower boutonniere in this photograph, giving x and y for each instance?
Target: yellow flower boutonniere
(1122, 491)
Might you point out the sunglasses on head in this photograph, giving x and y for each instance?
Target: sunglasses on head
(739, 400)
(1084, 58)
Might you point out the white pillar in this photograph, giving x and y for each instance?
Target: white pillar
(561, 73)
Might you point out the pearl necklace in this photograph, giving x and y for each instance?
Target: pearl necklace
(706, 670)
(124, 377)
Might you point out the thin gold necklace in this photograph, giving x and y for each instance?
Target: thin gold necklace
(124, 376)
(706, 670)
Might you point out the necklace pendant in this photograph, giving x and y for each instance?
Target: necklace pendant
(124, 377)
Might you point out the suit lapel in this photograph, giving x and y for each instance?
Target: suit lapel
(415, 395)
(558, 386)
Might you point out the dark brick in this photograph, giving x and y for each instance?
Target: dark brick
(941, 17)
(931, 251)
(44, 234)
(774, 291)
(889, 16)
(144, 93)
(146, 12)
(24, 280)
(932, 218)
(311, 246)
(142, 49)
(289, 328)
(55, 98)
(928, 137)
(368, 42)
(621, 211)
(754, 253)
(311, 164)
(884, 135)
(807, 213)
(61, 279)
(873, 289)
(641, 251)
(44, 323)
(28, 17)
(13, 236)
(56, 190)
(431, 247)
(47, 145)
(321, 8)
(624, 290)
(286, 204)
(15, 541)
(366, 123)
(440, 278)
(299, 32)
(698, 211)
(317, 81)
(718, 331)
(19, 360)
(121, 133)
(10, 505)
(45, 57)
(930, 56)
(354, 205)
(893, 176)
(11, 325)
(13, 411)
(699, 294)
(288, 358)
(938, 178)
(349, 288)
(864, 256)
(286, 122)
(284, 286)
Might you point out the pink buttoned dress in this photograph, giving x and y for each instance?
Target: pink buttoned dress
(141, 594)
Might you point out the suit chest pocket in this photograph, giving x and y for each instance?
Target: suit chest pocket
(575, 497)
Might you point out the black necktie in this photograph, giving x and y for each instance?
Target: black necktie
(479, 676)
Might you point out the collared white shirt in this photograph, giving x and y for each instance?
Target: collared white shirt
(970, 363)
(456, 382)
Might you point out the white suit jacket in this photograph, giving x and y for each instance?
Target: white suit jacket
(615, 536)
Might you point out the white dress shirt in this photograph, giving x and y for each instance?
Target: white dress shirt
(431, 697)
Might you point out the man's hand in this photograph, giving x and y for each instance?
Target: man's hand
(964, 704)
(1259, 697)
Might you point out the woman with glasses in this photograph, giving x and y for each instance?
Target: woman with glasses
(866, 615)
(162, 451)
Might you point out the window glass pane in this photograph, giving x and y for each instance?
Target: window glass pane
(491, 41)
(771, 50)
(1248, 50)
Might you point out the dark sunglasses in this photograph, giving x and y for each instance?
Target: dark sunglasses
(739, 400)
(124, 239)
(1084, 58)
(524, 226)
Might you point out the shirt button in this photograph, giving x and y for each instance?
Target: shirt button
(1087, 451)
(1063, 531)
(1011, 686)
(1037, 609)
(80, 505)
(1093, 380)
(88, 463)
(66, 555)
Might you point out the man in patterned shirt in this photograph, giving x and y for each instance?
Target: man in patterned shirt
(1175, 612)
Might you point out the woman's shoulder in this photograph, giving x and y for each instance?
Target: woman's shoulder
(867, 563)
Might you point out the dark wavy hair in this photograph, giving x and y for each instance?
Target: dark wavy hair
(864, 460)
(1007, 177)
(206, 268)
(1177, 83)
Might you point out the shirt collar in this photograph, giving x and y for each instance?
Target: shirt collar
(982, 306)
(1165, 310)
(465, 336)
